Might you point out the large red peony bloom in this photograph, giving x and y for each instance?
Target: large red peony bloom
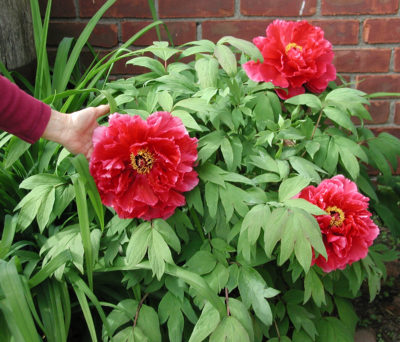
(142, 167)
(347, 229)
(295, 55)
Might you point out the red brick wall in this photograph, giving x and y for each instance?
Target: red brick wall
(365, 34)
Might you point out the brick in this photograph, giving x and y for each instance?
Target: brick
(103, 35)
(120, 9)
(181, 32)
(397, 59)
(351, 7)
(244, 29)
(196, 9)
(339, 32)
(383, 30)
(379, 111)
(362, 60)
(397, 114)
(378, 83)
(348, 7)
(281, 8)
(59, 8)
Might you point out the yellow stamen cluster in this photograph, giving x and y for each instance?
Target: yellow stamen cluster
(142, 161)
(293, 46)
(337, 216)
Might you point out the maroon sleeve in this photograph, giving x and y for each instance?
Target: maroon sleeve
(20, 113)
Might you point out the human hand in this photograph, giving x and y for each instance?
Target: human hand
(75, 130)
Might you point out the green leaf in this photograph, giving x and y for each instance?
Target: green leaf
(207, 323)
(159, 253)
(207, 72)
(149, 63)
(211, 173)
(202, 262)
(13, 304)
(252, 289)
(47, 270)
(188, 121)
(302, 319)
(346, 313)
(239, 311)
(305, 205)
(330, 329)
(342, 118)
(165, 100)
(10, 224)
(256, 218)
(83, 215)
(41, 179)
(309, 100)
(226, 59)
(227, 152)
(243, 45)
(15, 149)
(230, 329)
(274, 229)
(350, 162)
(291, 187)
(306, 168)
(138, 243)
(45, 209)
(168, 234)
(314, 287)
(211, 197)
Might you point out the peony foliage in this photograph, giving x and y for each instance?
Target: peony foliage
(231, 245)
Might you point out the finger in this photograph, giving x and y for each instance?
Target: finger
(101, 110)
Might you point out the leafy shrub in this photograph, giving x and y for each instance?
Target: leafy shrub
(235, 262)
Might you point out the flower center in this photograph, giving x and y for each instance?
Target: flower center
(293, 46)
(337, 216)
(142, 161)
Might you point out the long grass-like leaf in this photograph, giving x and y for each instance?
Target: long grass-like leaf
(42, 81)
(105, 63)
(5, 72)
(86, 311)
(80, 43)
(14, 306)
(79, 283)
(61, 60)
(153, 11)
(50, 268)
(83, 215)
(81, 165)
(51, 308)
(10, 224)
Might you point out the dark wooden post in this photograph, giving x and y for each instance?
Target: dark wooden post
(17, 47)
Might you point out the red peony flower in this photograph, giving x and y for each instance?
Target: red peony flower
(295, 55)
(347, 229)
(142, 167)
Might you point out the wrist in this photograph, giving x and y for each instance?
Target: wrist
(57, 127)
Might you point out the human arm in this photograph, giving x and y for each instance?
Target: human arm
(74, 131)
(30, 119)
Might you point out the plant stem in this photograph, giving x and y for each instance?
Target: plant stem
(277, 330)
(316, 125)
(138, 309)
(227, 301)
